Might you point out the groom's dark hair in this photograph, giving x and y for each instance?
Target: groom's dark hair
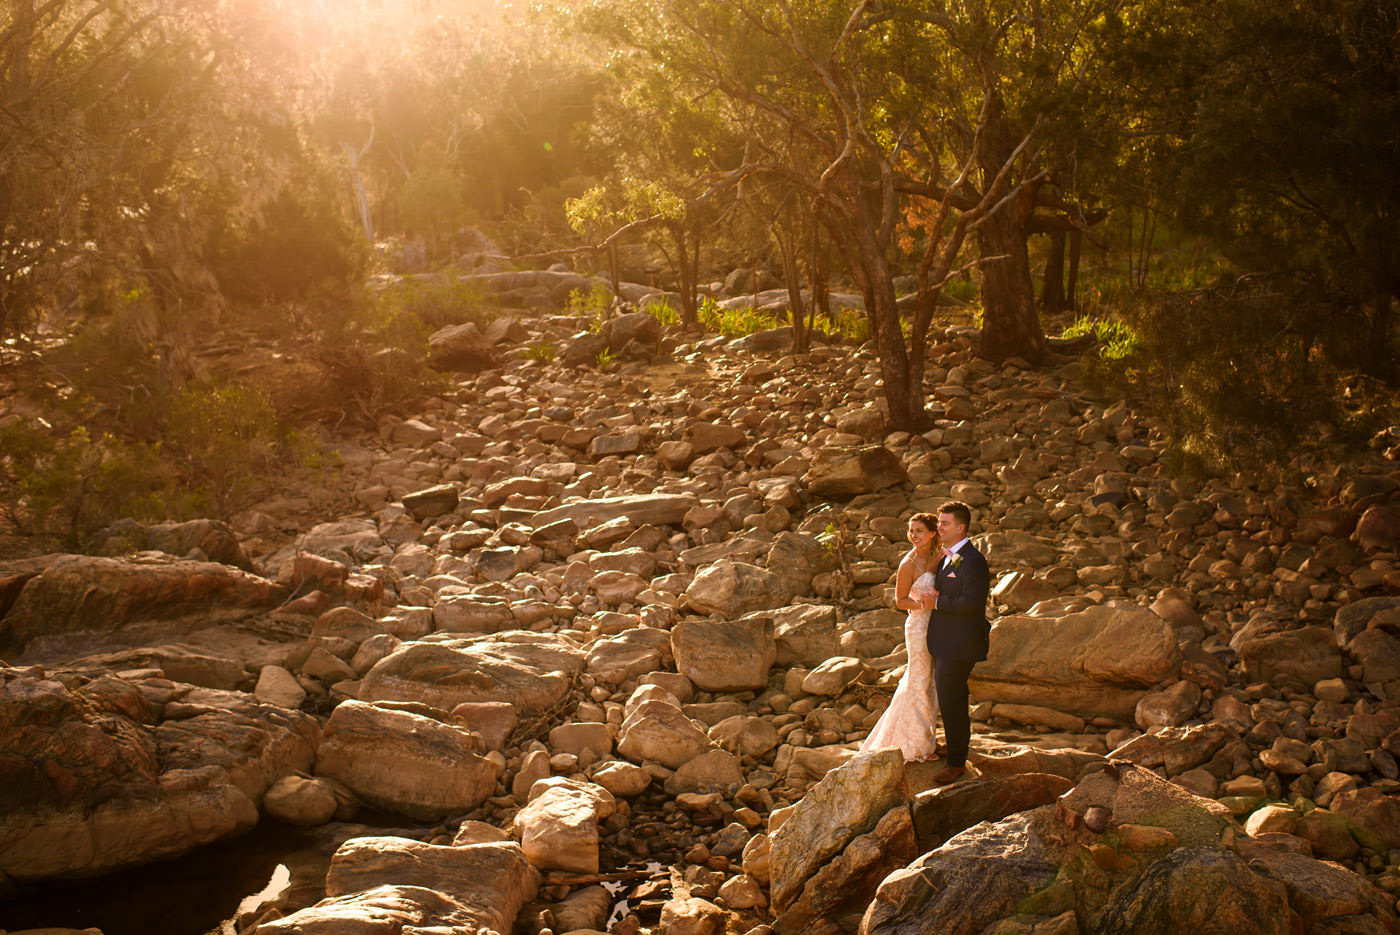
(960, 511)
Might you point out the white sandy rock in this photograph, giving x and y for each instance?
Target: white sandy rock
(301, 800)
(558, 828)
(532, 671)
(278, 686)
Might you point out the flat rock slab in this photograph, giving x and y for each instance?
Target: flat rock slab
(87, 594)
(530, 670)
(657, 509)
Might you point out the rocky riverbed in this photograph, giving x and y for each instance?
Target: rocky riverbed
(606, 643)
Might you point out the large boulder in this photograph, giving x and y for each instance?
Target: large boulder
(944, 811)
(558, 827)
(391, 885)
(1305, 655)
(198, 539)
(1097, 662)
(460, 347)
(114, 773)
(628, 655)
(532, 671)
(805, 634)
(735, 588)
(842, 473)
(89, 598)
(1123, 851)
(179, 662)
(403, 762)
(848, 802)
(796, 559)
(657, 730)
(725, 657)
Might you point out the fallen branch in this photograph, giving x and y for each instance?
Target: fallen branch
(586, 878)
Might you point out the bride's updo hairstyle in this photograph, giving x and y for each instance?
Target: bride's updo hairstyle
(928, 520)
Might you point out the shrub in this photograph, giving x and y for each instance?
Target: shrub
(594, 306)
(404, 313)
(1237, 369)
(664, 313)
(297, 246)
(229, 445)
(61, 487)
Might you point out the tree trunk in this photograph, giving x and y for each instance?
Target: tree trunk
(1076, 242)
(687, 271)
(817, 261)
(1010, 324)
(787, 249)
(615, 269)
(901, 373)
(1052, 289)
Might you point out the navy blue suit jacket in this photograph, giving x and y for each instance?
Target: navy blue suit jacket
(958, 627)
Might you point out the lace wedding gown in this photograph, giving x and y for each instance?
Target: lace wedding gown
(908, 723)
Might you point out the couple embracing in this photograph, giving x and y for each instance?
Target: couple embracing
(943, 583)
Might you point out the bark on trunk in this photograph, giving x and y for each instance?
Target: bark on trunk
(1010, 324)
(901, 374)
(1052, 288)
(787, 249)
(688, 272)
(1076, 243)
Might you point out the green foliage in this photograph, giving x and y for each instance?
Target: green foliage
(360, 381)
(1114, 340)
(542, 350)
(845, 323)
(62, 486)
(299, 245)
(664, 313)
(737, 321)
(114, 371)
(228, 445)
(594, 306)
(604, 359)
(430, 201)
(404, 313)
(1235, 369)
(220, 448)
(1272, 136)
(838, 542)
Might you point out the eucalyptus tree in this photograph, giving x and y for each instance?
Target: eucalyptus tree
(926, 123)
(1271, 129)
(135, 135)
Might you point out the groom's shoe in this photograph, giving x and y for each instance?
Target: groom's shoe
(948, 774)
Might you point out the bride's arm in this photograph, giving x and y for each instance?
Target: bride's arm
(903, 581)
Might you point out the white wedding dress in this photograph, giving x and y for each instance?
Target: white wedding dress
(908, 723)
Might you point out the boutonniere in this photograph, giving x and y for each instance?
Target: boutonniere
(954, 560)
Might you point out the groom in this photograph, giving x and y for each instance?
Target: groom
(957, 630)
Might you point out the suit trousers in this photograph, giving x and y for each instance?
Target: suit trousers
(950, 679)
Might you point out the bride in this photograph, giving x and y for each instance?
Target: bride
(908, 723)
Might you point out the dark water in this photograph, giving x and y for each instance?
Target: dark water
(189, 895)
